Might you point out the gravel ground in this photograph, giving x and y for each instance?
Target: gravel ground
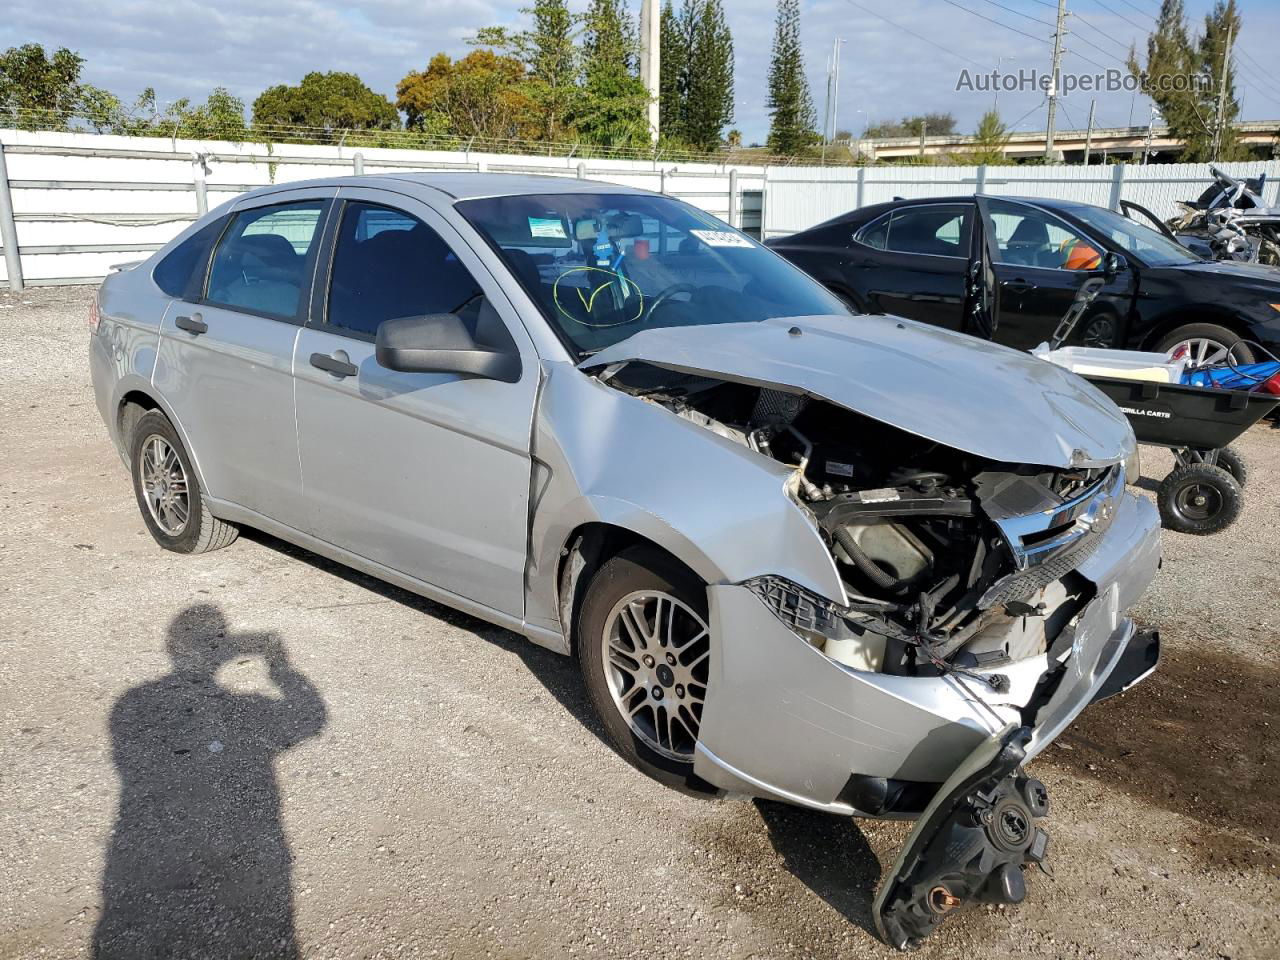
(354, 771)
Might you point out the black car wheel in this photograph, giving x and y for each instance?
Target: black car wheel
(1100, 332)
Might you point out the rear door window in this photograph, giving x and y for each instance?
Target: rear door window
(936, 230)
(261, 264)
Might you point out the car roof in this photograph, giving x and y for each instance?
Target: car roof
(870, 212)
(459, 185)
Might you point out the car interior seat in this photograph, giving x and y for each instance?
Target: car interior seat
(1029, 245)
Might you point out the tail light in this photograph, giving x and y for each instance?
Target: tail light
(95, 318)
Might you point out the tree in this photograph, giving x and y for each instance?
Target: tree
(481, 95)
(612, 110)
(1184, 74)
(792, 118)
(220, 117)
(709, 96)
(326, 102)
(989, 141)
(936, 124)
(1171, 63)
(42, 92)
(673, 78)
(1221, 23)
(551, 56)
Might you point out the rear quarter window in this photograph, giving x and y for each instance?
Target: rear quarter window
(181, 271)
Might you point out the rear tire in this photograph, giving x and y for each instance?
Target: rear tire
(644, 650)
(168, 492)
(1207, 343)
(1199, 499)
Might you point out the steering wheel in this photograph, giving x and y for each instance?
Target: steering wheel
(671, 291)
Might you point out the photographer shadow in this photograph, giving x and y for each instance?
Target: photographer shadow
(198, 864)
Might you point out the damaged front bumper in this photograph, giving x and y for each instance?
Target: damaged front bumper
(791, 724)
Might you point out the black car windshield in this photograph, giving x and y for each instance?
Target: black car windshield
(605, 266)
(1149, 246)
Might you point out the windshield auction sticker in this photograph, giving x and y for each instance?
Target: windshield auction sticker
(721, 238)
(547, 227)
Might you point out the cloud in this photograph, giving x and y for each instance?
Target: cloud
(184, 48)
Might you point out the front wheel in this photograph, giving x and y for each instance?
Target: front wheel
(644, 647)
(1199, 499)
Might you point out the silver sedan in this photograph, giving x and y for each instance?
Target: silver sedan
(848, 562)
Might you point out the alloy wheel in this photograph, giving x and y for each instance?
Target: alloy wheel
(1200, 351)
(164, 485)
(656, 651)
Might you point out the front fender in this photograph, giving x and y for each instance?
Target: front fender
(722, 509)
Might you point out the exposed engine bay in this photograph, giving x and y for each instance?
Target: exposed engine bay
(951, 563)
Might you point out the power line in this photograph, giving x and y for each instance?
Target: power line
(1101, 33)
(938, 46)
(1140, 11)
(1117, 13)
(996, 22)
(1019, 13)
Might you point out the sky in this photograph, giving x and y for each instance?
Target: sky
(900, 56)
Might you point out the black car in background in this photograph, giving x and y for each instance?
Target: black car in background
(916, 259)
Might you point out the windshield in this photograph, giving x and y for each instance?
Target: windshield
(1149, 246)
(604, 266)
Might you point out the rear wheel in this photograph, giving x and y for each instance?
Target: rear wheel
(1199, 499)
(168, 492)
(1206, 343)
(644, 647)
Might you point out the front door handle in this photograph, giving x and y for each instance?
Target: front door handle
(339, 368)
(192, 324)
(1018, 285)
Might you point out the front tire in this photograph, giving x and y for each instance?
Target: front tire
(644, 648)
(168, 492)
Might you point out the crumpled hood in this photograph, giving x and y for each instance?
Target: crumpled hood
(966, 393)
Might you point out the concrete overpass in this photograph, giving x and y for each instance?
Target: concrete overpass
(1127, 142)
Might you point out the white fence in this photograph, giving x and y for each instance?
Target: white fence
(81, 202)
(799, 197)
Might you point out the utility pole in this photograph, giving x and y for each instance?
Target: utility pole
(924, 130)
(1151, 122)
(831, 108)
(1053, 80)
(650, 59)
(1088, 134)
(1222, 95)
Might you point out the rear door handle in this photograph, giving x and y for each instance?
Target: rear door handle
(192, 324)
(339, 368)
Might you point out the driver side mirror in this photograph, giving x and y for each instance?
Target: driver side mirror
(442, 343)
(1113, 264)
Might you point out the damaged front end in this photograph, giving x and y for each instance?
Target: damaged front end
(951, 563)
(982, 610)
